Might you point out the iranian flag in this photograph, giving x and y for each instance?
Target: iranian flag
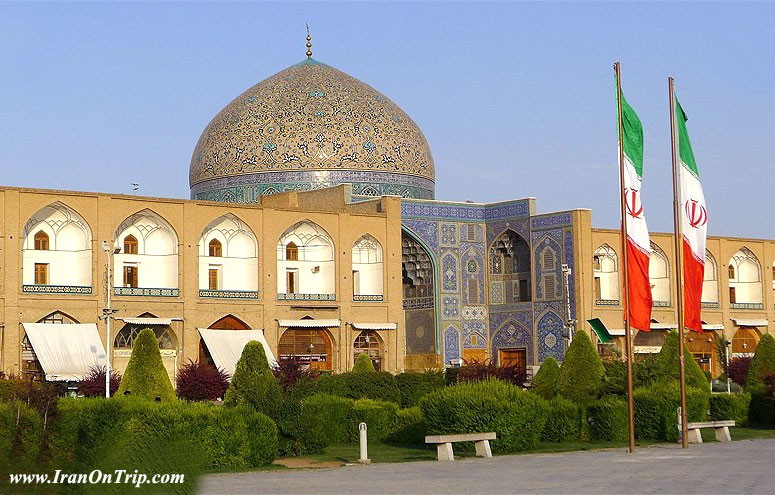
(694, 226)
(637, 231)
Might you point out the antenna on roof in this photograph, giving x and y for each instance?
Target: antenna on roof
(135, 186)
(309, 43)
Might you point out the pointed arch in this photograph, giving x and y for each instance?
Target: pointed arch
(57, 251)
(154, 234)
(228, 259)
(745, 279)
(659, 276)
(312, 275)
(606, 275)
(420, 288)
(154, 263)
(367, 267)
(710, 280)
(510, 269)
(229, 322)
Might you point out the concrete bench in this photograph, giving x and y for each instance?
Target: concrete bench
(721, 429)
(444, 444)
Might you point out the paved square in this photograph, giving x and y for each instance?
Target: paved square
(711, 468)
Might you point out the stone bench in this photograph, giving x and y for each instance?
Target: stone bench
(721, 429)
(444, 444)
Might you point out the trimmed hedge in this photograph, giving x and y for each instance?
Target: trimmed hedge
(608, 420)
(327, 416)
(21, 433)
(294, 437)
(410, 427)
(762, 407)
(667, 364)
(363, 364)
(379, 385)
(728, 406)
(415, 386)
(175, 436)
(581, 373)
(545, 381)
(564, 422)
(516, 416)
(379, 416)
(656, 409)
(145, 376)
(253, 383)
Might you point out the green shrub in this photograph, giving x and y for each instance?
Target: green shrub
(294, 438)
(415, 386)
(363, 364)
(564, 421)
(667, 364)
(327, 416)
(656, 409)
(608, 419)
(379, 416)
(516, 416)
(581, 373)
(20, 437)
(175, 436)
(645, 372)
(762, 407)
(762, 364)
(410, 427)
(145, 376)
(379, 385)
(451, 376)
(730, 406)
(253, 383)
(545, 381)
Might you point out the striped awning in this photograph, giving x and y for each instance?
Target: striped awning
(149, 321)
(309, 323)
(374, 326)
(750, 322)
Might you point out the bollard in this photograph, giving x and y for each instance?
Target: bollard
(364, 459)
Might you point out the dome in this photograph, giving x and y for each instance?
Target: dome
(310, 126)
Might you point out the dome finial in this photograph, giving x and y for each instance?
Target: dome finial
(309, 43)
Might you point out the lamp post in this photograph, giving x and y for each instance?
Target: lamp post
(107, 312)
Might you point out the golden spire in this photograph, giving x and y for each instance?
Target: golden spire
(309, 43)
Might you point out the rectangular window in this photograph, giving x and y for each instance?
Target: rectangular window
(473, 291)
(130, 276)
(732, 296)
(41, 273)
(291, 285)
(548, 286)
(213, 278)
(471, 232)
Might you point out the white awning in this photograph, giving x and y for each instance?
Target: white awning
(66, 352)
(309, 323)
(646, 349)
(663, 326)
(149, 321)
(616, 332)
(374, 326)
(226, 346)
(749, 322)
(713, 327)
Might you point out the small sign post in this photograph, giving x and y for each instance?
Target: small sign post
(364, 458)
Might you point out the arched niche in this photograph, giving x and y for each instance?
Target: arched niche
(510, 270)
(710, 280)
(228, 256)
(367, 268)
(153, 258)
(659, 276)
(305, 262)
(745, 278)
(57, 249)
(606, 275)
(418, 276)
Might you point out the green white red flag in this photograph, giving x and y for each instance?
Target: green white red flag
(637, 242)
(694, 225)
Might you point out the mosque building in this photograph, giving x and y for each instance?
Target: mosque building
(313, 227)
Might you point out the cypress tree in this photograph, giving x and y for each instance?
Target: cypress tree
(763, 362)
(145, 375)
(363, 364)
(669, 369)
(581, 373)
(253, 383)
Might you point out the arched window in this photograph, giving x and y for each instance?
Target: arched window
(367, 268)
(215, 248)
(130, 244)
(370, 342)
(745, 287)
(744, 341)
(291, 252)
(606, 275)
(659, 276)
(41, 241)
(418, 281)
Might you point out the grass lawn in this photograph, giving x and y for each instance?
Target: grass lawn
(739, 433)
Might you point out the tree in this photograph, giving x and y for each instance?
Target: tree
(581, 373)
(668, 368)
(197, 381)
(763, 362)
(145, 375)
(93, 383)
(545, 381)
(363, 364)
(253, 383)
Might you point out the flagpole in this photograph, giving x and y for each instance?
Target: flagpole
(622, 204)
(678, 267)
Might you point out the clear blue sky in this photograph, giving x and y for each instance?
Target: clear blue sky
(516, 99)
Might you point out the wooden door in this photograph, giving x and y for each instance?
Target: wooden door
(513, 357)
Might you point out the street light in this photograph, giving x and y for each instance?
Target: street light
(108, 311)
